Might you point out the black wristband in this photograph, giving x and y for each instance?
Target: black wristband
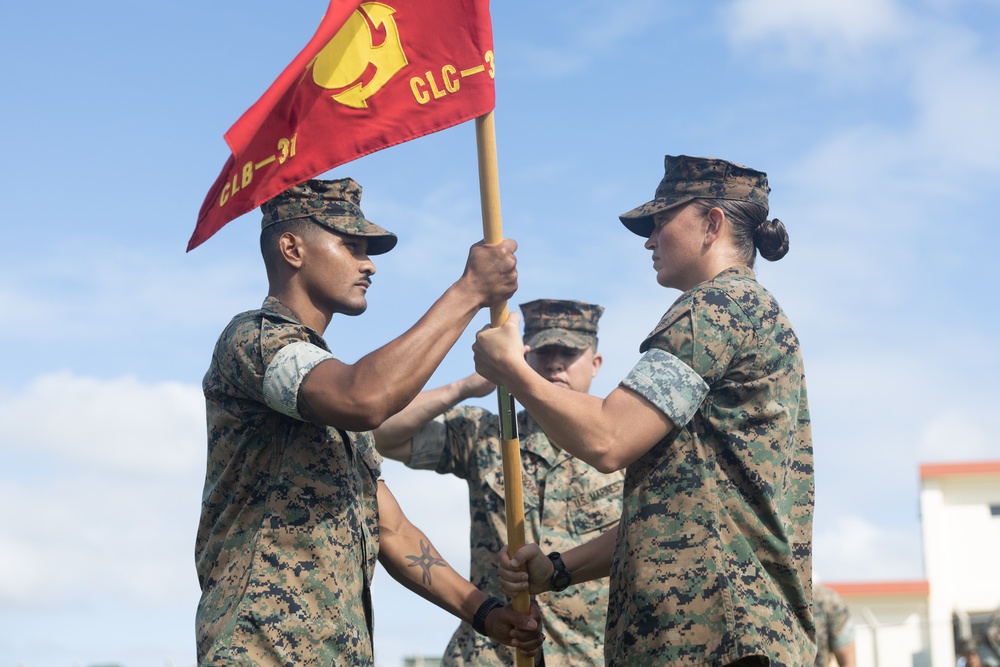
(560, 575)
(479, 620)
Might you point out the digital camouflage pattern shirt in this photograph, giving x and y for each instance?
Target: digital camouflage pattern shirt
(713, 556)
(834, 628)
(288, 538)
(566, 503)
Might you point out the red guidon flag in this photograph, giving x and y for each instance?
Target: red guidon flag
(375, 74)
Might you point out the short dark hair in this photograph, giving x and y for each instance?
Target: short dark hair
(269, 236)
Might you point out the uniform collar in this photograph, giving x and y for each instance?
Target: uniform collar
(539, 443)
(738, 271)
(272, 306)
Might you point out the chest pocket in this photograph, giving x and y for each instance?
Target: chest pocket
(596, 510)
(365, 452)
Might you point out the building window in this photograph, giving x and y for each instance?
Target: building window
(994, 510)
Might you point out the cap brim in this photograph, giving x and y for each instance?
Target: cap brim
(380, 240)
(639, 220)
(574, 340)
(379, 244)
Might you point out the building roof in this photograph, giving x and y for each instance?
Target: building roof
(928, 470)
(880, 588)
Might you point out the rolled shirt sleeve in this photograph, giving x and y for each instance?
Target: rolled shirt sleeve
(668, 383)
(285, 373)
(844, 637)
(427, 444)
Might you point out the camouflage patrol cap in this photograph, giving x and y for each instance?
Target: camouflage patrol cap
(335, 205)
(571, 324)
(687, 178)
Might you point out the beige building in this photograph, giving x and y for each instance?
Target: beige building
(915, 623)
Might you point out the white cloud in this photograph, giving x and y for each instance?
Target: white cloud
(100, 289)
(100, 499)
(809, 27)
(947, 74)
(909, 401)
(854, 548)
(120, 424)
(83, 542)
(877, 415)
(959, 433)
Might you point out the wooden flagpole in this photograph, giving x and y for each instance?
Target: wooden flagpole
(510, 445)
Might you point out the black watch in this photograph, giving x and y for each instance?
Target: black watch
(479, 620)
(560, 575)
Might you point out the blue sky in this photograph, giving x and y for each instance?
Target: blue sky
(874, 119)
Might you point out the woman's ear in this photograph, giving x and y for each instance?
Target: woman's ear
(715, 224)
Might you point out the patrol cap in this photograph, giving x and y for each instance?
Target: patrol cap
(335, 205)
(686, 178)
(571, 324)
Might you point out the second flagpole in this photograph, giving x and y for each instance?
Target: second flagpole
(489, 193)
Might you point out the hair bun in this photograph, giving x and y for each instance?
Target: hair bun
(771, 239)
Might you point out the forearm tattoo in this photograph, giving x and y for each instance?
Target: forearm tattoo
(425, 561)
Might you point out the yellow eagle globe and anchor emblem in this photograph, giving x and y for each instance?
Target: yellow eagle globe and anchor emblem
(343, 62)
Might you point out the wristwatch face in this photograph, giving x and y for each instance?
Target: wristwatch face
(560, 580)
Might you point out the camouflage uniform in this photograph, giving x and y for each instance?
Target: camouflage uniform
(713, 556)
(289, 535)
(288, 538)
(566, 503)
(834, 628)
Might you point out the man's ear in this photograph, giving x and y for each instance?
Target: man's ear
(598, 360)
(291, 246)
